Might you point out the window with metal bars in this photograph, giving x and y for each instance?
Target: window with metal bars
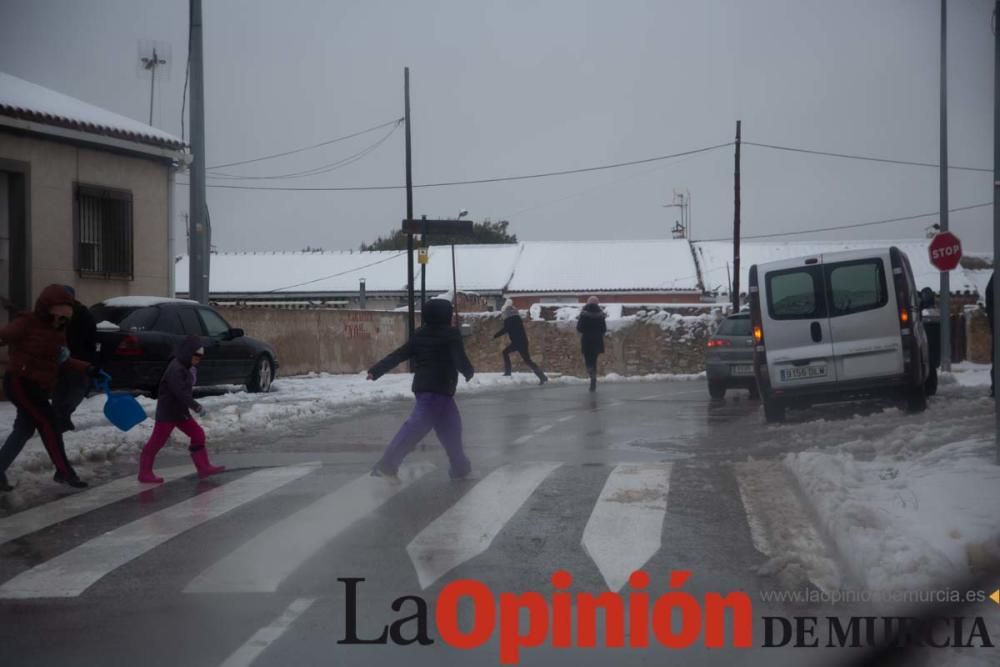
(102, 224)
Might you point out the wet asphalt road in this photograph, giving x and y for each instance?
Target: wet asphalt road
(164, 606)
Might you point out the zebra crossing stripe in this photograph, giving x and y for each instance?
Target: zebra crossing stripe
(71, 573)
(37, 518)
(626, 525)
(780, 524)
(469, 526)
(264, 562)
(245, 655)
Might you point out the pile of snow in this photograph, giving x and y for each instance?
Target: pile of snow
(910, 501)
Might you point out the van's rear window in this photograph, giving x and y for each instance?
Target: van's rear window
(856, 286)
(795, 294)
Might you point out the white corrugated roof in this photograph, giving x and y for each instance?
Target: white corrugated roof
(715, 256)
(479, 268)
(294, 272)
(24, 99)
(594, 266)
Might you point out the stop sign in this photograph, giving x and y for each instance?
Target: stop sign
(945, 251)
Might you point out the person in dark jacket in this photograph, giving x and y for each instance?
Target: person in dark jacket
(592, 326)
(38, 352)
(173, 410)
(72, 388)
(989, 316)
(438, 356)
(514, 328)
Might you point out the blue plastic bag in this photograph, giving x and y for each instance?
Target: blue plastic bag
(122, 410)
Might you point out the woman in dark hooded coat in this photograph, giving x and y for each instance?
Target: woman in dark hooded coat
(438, 356)
(592, 326)
(38, 352)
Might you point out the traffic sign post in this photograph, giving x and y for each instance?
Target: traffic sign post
(945, 252)
(424, 227)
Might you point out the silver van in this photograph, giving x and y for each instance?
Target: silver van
(838, 326)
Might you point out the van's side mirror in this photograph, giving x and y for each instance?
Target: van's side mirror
(926, 298)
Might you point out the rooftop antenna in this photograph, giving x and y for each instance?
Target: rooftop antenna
(154, 56)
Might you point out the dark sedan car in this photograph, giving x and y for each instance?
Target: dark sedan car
(729, 357)
(137, 337)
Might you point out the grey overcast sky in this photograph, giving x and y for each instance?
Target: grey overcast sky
(523, 86)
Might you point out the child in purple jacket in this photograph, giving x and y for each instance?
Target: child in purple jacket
(176, 400)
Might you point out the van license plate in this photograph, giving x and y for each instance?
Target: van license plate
(803, 372)
(741, 370)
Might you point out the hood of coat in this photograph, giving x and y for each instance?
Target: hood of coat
(437, 313)
(187, 348)
(509, 311)
(53, 295)
(592, 310)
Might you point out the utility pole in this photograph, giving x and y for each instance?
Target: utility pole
(409, 203)
(945, 275)
(200, 231)
(735, 292)
(151, 63)
(996, 212)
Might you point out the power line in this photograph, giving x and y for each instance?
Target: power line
(321, 169)
(342, 273)
(308, 148)
(866, 158)
(479, 181)
(859, 224)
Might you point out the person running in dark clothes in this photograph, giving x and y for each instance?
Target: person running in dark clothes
(989, 316)
(438, 354)
(174, 403)
(71, 388)
(37, 343)
(592, 326)
(514, 328)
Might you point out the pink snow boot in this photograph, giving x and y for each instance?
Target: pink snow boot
(146, 475)
(199, 455)
(146, 458)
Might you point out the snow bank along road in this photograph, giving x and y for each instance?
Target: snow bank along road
(644, 475)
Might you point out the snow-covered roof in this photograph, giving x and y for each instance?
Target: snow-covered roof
(715, 259)
(478, 268)
(141, 301)
(30, 101)
(601, 266)
(298, 272)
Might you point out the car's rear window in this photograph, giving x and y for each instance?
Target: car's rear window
(795, 294)
(856, 286)
(127, 318)
(735, 326)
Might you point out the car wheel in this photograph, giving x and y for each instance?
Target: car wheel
(754, 392)
(931, 385)
(716, 389)
(916, 399)
(774, 410)
(262, 376)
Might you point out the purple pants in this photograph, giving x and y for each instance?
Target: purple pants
(433, 411)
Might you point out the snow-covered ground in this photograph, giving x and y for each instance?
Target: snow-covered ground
(291, 400)
(909, 501)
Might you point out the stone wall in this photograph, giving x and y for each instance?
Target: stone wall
(349, 341)
(327, 341)
(977, 328)
(651, 343)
